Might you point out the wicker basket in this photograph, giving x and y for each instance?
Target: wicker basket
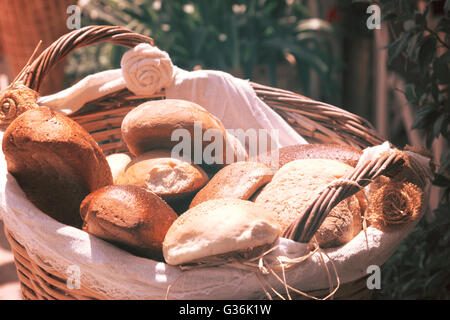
(316, 121)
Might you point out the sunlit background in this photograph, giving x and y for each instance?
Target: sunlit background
(395, 76)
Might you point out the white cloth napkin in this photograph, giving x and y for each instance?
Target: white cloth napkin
(233, 101)
(88, 89)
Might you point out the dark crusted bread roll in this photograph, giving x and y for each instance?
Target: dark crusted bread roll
(131, 217)
(55, 161)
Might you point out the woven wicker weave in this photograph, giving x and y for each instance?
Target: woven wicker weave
(316, 121)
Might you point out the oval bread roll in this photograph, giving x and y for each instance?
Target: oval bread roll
(151, 125)
(218, 227)
(130, 217)
(238, 180)
(298, 182)
(346, 154)
(55, 161)
(117, 163)
(168, 177)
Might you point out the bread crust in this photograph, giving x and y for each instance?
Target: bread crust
(346, 154)
(55, 161)
(238, 180)
(150, 126)
(130, 217)
(217, 227)
(297, 183)
(118, 162)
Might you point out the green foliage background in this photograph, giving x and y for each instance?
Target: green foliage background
(420, 268)
(224, 35)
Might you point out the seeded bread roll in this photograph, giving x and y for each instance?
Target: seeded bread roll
(298, 182)
(55, 161)
(280, 157)
(220, 227)
(151, 125)
(168, 177)
(130, 217)
(117, 163)
(238, 180)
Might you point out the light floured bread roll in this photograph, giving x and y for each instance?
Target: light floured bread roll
(238, 180)
(297, 183)
(151, 125)
(219, 227)
(55, 161)
(278, 158)
(130, 217)
(168, 177)
(117, 163)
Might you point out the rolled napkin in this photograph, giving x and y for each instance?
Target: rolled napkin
(88, 89)
(146, 69)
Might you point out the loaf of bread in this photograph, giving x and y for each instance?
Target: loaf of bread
(168, 177)
(297, 183)
(151, 125)
(130, 217)
(220, 229)
(278, 158)
(117, 163)
(238, 180)
(55, 161)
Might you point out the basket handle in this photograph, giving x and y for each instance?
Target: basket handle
(33, 76)
(309, 221)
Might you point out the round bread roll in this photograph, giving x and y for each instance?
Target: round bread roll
(220, 227)
(130, 217)
(151, 125)
(55, 161)
(117, 163)
(238, 180)
(296, 183)
(278, 158)
(168, 177)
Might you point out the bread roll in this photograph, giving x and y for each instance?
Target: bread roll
(219, 227)
(117, 163)
(239, 152)
(131, 217)
(238, 180)
(346, 154)
(168, 177)
(150, 126)
(55, 161)
(297, 183)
